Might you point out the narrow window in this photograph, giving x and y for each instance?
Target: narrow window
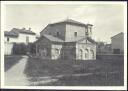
(75, 34)
(92, 54)
(86, 53)
(81, 54)
(57, 33)
(27, 39)
(90, 30)
(7, 39)
(87, 32)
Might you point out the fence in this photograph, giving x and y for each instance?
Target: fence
(110, 56)
(19, 48)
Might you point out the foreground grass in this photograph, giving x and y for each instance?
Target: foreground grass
(105, 71)
(38, 67)
(10, 61)
(101, 79)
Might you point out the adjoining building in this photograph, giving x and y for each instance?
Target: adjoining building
(117, 43)
(17, 36)
(103, 48)
(68, 39)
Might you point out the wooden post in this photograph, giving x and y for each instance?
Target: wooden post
(36, 49)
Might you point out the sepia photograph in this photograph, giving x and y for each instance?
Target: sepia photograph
(63, 44)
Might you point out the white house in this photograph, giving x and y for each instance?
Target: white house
(17, 36)
(117, 42)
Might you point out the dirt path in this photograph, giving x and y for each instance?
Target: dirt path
(15, 76)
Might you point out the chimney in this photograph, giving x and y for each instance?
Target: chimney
(23, 28)
(29, 29)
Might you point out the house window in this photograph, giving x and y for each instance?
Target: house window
(90, 30)
(43, 52)
(87, 32)
(27, 39)
(56, 51)
(57, 33)
(7, 39)
(75, 34)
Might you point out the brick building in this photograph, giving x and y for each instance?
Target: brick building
(66, 39)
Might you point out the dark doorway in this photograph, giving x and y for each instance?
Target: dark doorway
(116, 51)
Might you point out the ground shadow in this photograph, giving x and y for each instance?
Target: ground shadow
(10, 61)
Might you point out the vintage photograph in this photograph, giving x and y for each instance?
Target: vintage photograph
(64, 44)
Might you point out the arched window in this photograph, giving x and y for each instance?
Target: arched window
(92, 54)
(86, 53)
(57, 51)
(80, 53)
(72, 51)
(43, 52)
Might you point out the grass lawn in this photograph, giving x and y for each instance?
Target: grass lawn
(10, 61)
(90, 80)
(105, 71)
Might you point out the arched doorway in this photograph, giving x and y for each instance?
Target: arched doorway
(92, 54)
(86, 54)
(55, 53)
(43, 52)
(81, 54)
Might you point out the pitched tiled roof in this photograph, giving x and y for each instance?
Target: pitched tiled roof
(91, 40)
(81, 38)
(69, 21)
(10, 34)
(52, 38)
(23, 30)
(117, 34)
(56, 39)
(74, 39)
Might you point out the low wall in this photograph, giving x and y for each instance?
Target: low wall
(8, 48)
(110, 56)
(17, 48)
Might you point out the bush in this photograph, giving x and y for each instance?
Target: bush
(32, 48)
(20, 49)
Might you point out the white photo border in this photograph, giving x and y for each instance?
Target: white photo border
(64, 87)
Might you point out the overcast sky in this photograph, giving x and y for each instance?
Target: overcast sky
(107, 19)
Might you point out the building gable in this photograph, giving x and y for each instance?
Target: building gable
(43, 40)
(85, 40)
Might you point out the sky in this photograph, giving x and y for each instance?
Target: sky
(107, 19)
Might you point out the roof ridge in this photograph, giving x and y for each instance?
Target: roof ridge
(52, 38)
(117, 34)
(23, 30)
(69, 20)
